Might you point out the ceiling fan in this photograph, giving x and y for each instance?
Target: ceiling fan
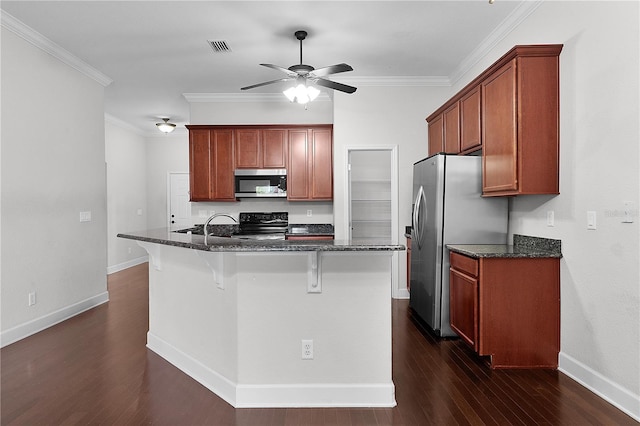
(306, 76)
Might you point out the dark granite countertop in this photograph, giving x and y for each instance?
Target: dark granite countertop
(226, 244)
(302, 229)
(523, 247)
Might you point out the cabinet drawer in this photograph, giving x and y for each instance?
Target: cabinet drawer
(465, 264)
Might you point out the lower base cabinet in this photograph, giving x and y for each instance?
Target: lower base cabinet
(507, 309)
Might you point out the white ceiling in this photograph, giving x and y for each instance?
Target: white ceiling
(156, 51)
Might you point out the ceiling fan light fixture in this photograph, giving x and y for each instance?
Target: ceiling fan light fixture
(301, 94)
(166, 127)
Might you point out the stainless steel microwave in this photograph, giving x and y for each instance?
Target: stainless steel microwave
(261, 183)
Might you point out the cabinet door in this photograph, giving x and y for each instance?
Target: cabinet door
(321, 171)
(223, 185)
(451, 119)
(499, 126)
(463, 309)
(274, 148)
(199, 165)
(247, 149)
(470, 136)
(297, 172)
(436, 135)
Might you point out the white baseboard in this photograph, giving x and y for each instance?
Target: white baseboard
(402, 293)
(275, 395)
(316, 395)
(128, 264)
(21, 331)
(215, 382)
(610, 391)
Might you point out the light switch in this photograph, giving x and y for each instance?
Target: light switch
(591, 220)
(550, 218)
(627, 215)
(85, 216)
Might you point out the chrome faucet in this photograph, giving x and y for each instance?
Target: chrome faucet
(213, 216)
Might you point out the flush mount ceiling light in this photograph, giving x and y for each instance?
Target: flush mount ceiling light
(166, 127)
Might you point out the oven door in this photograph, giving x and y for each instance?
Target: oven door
(261, 183)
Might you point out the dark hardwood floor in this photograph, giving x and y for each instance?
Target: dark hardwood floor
(95, 369)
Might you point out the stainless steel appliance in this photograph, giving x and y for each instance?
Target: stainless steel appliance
(261, 226)
(448, 209)
(261, 183)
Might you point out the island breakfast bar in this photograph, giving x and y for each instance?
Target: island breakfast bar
(274, 323)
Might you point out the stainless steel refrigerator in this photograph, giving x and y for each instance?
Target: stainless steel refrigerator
(448, 209)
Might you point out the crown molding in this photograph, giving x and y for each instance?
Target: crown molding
(511, 22)
(244, 97)
(397, 81)
(38, 40)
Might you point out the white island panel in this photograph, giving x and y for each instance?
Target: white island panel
(235, 321)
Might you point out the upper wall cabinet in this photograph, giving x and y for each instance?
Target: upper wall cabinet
(211, 165)
(511, 112)
(260, 148)
(521, 114)
(436, 135)
(310, 171)
(470, 121)
(305, 151)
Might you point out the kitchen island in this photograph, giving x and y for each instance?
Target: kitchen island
(274, 323)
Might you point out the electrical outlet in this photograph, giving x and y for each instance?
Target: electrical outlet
(129, 250)
(309, 213)
(307, 349)
(32, 298)
(550, 218)
(85, 216)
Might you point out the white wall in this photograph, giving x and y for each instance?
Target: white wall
(126, 155)
(165, 153)
(53, 168)
(600, 163)
(383, 116)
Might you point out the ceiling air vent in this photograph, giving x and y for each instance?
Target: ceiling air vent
(219, 46)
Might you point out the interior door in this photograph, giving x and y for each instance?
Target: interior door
(179, 205)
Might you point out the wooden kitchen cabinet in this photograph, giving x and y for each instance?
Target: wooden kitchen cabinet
(511, 113)
(463, 293)
(211, 165)
(451, 125)
(259, 148)
(470, 121)
(310, 168)
(507, 309)
(436, 135)
(520, 120)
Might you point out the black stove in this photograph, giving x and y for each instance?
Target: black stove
(262, 225)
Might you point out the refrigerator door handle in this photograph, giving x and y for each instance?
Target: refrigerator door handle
(417, 208)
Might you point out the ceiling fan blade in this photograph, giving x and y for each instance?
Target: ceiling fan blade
(333, 85)
(265, 83)
(279, 68)
(333, 69)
